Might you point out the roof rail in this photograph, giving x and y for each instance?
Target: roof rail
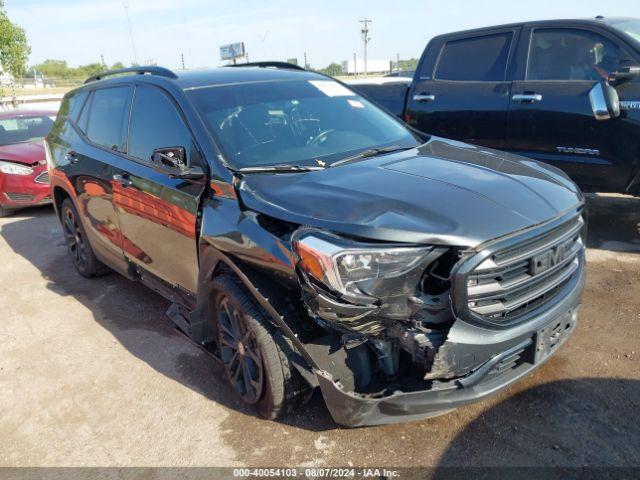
(160, 71)
(284, 65)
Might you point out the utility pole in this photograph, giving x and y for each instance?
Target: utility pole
(133, 44)
(355, 66)
(306, 65)
(102, 61)
(365, 38)
(182, 60)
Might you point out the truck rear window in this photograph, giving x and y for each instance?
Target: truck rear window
(482, 59)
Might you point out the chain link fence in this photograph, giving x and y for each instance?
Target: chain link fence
(32, 92)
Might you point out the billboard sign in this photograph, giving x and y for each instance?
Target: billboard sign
(231, 51)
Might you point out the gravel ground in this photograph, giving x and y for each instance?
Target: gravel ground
(92, 373)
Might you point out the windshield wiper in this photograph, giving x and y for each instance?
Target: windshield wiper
(279, 169)
(372, 152)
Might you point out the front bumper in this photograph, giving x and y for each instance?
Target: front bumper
(19, 191)
(510, 355)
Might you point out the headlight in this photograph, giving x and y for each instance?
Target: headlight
(15, 168)
(341, 265)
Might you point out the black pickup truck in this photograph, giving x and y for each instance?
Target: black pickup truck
(560, 91)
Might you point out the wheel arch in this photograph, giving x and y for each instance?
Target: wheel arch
(213, 263)
(59, 194)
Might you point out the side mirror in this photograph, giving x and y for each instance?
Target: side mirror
(604, 100)
(172, 161)
(624, 74)
(170, 157)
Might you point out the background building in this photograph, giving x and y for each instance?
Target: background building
(350, 67)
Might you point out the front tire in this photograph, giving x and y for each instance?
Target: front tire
(78, 246)
(255, 355)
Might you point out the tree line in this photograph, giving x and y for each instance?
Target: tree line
(59, 69)
(14, 49)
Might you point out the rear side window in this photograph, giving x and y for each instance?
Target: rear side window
(72, 104)
(155, 123)
(107, 117)
(571, 54)
(482, 59)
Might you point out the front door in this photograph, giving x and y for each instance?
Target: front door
(158, 214)
(466, 95)
(550, 117)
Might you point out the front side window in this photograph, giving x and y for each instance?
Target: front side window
(107, 117)
(155, 123)
(570, 54)
(482, 59)
(295, 122)
(22, 129)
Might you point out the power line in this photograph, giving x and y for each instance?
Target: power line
(133, 44)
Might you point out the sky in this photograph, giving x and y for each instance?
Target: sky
(80, 31)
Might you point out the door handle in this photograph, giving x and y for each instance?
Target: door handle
(424, 97)
(71, 157)
(122, 179)
(527, 97)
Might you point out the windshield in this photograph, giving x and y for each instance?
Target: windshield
(296, 122)
(24, 129)
(631, 28)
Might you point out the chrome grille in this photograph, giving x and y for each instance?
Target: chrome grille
(516, 280)
(42, 178)
(20, 197)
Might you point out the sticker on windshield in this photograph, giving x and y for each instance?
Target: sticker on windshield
(355, 103)
(331, 89)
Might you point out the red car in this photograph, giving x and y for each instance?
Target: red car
(24, 179)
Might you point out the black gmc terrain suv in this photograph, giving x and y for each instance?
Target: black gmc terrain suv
(306, 238)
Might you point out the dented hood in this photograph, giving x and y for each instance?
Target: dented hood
(27, 153)
(443, 192)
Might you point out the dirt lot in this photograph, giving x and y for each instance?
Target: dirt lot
(93, 373)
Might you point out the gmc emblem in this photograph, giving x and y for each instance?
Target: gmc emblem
(549, 258)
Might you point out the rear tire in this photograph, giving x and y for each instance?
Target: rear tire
(78, 245)
(5, 212)
(254, 353)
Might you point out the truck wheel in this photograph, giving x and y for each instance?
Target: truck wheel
(254, 353)
(78, 246)
(5, 212)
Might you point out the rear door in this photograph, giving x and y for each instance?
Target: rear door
(157, 213)
(462, 88)
(550, 116)
(90, 166)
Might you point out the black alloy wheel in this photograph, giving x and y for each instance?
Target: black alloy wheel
(75, 239)
(78, 244)
(240, 353)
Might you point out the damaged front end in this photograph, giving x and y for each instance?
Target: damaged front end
(396, 347)
(394, 298)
